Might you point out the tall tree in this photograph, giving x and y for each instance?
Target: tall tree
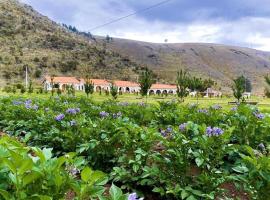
(183, 83)
(52, 84)
(145, 81)
(248, 86)
(267, 91)
(114, 91)
(88, 86)
(239, 88)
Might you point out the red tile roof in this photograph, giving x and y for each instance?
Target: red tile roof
(125, 84)
(62, 79)
(163, 86)
(98, 82)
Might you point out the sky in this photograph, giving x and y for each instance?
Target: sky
(233, 22)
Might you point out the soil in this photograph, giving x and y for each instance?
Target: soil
(233, 192)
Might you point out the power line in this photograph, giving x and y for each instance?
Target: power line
(129, 15)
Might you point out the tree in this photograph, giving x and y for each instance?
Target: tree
(52, 84)
(145, 81)
(267, 91)
(114, 91)
(248, 86)
(182, 83)
(239, 88)
(196, 85)
(88, 86)
(30, 87)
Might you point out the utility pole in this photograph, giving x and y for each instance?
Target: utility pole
(26, 76)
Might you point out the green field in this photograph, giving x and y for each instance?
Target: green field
(263, 103)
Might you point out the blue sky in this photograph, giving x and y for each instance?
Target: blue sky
(233, 22)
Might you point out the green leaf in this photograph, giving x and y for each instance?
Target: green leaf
(115, 192)
(30, 178)
(184, 194)
(191, 198)
(240, 169)
(5, 194)
(26, 166)
(47, 153)
(199, 161)
(86, 173)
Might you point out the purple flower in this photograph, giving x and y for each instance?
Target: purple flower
(169, 129)
(261, 146)
(59, 117)
(73, 111)
(216, 107)
(134, 196)
(215, 131)
(203, 111)
(103, 114)
(72, 123)
(28, 101)
(234, 108)
(182, 127)
(141, 104)
(258, 115)
(16, 103)
(209, 131)
(117, 115)
(163, 133)
(123, 104)
(28, 106)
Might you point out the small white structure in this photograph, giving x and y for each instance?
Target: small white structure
(247, 95)
(193, 94)
(212, 93)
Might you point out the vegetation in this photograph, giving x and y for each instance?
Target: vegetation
(88, 87)
(183, 84)
(145, 81)
(175, 151)
(47, 48)
(239, 88)
(114, 91)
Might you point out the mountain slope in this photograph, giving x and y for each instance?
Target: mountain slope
(221, 62)
(28, 38)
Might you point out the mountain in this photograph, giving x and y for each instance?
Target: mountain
(28, 38)
(220, 62)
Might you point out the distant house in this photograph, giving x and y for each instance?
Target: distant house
(104, 85)
(210, 92)
(163, 89)
(61, 82)
(99, 84)
(127, 86)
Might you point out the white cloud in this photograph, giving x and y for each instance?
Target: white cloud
(85, 14)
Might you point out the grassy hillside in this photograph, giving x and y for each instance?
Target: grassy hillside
(28, 38)
(222, 63)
